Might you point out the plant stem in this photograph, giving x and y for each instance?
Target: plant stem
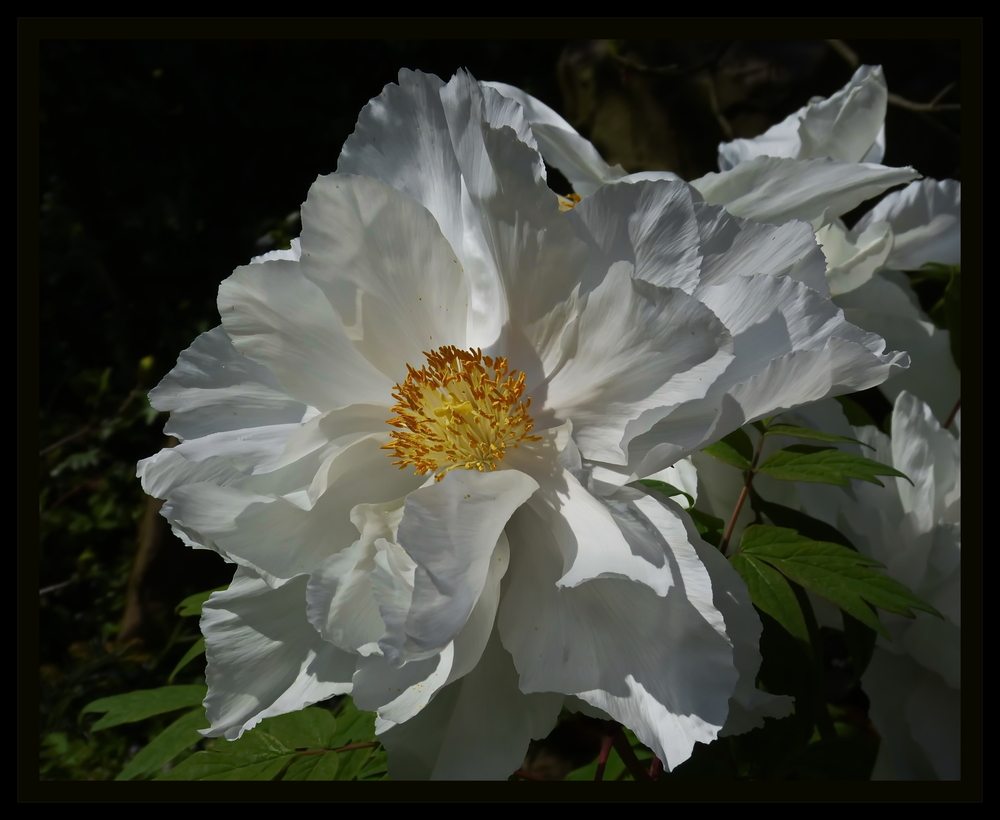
(951, 416)
(743, 497)
(627, 754)
(602, 759)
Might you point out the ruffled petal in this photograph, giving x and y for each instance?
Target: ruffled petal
(398, 693)
(854, 260)
(653, 663)
(280, 319)
(887, 306)
(561, 146)
(264, 658)
(386, 269)
(640, 349)
(477, 728)
(847, 126)
(276, 535)
(449, 530)
(770, 189)
(926, 218)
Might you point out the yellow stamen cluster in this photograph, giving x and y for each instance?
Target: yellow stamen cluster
(567, 202)
(462, 409)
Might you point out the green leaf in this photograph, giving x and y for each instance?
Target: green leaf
(835, 572)
(255, 756)
(314, 767)
(806, 432)
(857, 416)
(193, 603)
(134, 706)
(353, 725)
(668, 490)
(178, 736)
(709, 527)
(735, 449)
(353, 762)
(309, 728)
(806, 525)
(196, 649)
(771, 593)
(828, 465)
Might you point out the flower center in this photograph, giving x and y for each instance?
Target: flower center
(461, 409)
(567, 202)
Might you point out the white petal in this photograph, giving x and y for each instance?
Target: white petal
(640, 350)
(887, 306)
(278, 318)
(780, 140)
(278, 537)
(477, 728)
(561, 146)
(389, 273)
(769, 189)
(449, 529)
(740, 247)
(846, 126)
(399, 693)
(853, 261)
(214, 388)
(650, 224)
(926, 217)
(653, 663)
(264, 658)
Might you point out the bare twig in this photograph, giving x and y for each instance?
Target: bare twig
(926, 108)
(846, 52)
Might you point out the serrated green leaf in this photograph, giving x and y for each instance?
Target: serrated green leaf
(771, 593)
(806, 525)
(376, 768)
(196, 649)
(178, 736)
(134, 706)
(668, 490)
(313, 767)
(805, 432)
(353, 725)
(255, 756)
(835, 572)
(309, 728)
(735, 449)
(352, 762)
(827, 465)
(193, 603)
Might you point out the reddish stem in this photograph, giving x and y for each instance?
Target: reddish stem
(602, 759)
(954, 412)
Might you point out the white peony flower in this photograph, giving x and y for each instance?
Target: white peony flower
(412, 433)
(914, 680)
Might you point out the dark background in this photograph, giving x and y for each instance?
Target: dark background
(164, 164)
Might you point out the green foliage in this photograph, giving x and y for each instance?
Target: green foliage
(615, 768)
(828, 465)
(806, 525)
(180, 735)
(835, 572)
(771, 593)
(806, 432)
(193, 603)
(197, 649)
(857, 416)
(134, 706)
(311, 744)
(735, 449)
(669, 490)
(709, 527)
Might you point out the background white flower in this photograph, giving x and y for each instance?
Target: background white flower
(645, 324)
(914, 680)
